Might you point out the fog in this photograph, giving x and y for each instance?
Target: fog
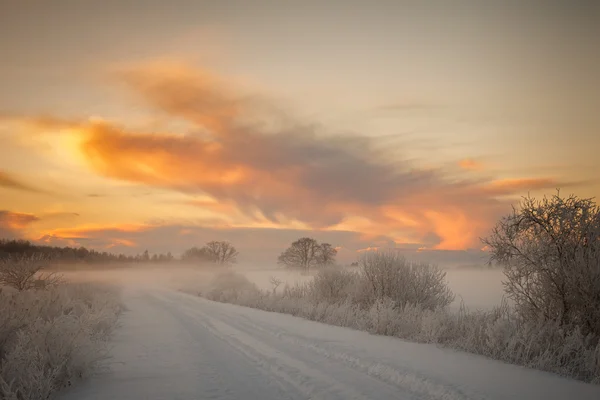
(479, 288)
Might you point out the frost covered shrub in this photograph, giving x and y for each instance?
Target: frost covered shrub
(389, 275)
(24, 272)
(228, 286)
(384, 276)
(550, 251)
(51, 338)
(296, 291)
(332, 285)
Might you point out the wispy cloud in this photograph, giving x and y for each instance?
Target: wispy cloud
(16, 220)
(192, 94)
(522, 185)
(59, 215)
(11, 182)
(13, 223)
(92, 231)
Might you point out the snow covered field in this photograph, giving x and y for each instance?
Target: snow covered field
(176, 346)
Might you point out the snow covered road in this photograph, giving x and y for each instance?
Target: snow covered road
(175, 346)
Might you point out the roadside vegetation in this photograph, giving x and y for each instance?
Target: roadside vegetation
(550, 250)
(52, 333)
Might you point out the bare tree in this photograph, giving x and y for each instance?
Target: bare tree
(24, 272)
(550, 250)
(326, 254)
(275, 282)
(306, 253)
(303, 253)
(222, 253)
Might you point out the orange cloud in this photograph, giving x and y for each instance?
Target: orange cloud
(91, 231)
(368, 249)
(192, 94)
(16, 220)
(470, 164)
(114, 237)
(512, 186)
(456, 230)
(216, 206)
(250, 172)
(121, 242)
(14, 224)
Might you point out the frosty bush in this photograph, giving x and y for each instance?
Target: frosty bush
(24, 272)
(550, 250)
(230, 285)
(51, 338)
(332, 285)
(389, 275)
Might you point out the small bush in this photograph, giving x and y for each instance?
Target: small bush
(24, 272)
(332, 285)
(230, 285)
(390, 276)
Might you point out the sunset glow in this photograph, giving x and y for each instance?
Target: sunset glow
(160, 135)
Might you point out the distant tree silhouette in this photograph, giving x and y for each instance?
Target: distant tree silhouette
(197, 255)
(215, 252)
(326, 254)
(222, 253)
(306, 253)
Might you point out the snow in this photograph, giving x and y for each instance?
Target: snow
(172, 345)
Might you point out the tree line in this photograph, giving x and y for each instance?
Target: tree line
(25, 248)
(304, 253)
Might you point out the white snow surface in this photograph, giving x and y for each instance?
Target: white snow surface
(172, 345)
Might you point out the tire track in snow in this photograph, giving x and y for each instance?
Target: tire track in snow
(403, 378)
(313, 383)
(406, 383)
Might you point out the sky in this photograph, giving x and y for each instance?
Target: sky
(134, 125)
